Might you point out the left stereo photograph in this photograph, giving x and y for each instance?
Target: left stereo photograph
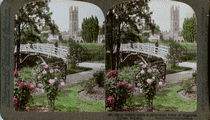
(59, 60)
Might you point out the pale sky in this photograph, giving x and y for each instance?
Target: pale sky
(160, 8)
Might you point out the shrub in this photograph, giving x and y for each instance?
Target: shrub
(22, 93)
(148, 79)
(89, 84)
(99, 77)
(187, 84)
(175, 53)
(118, 92)
(194, 76)
(51, 79)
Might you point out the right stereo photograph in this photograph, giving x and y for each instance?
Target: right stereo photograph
(151, 57)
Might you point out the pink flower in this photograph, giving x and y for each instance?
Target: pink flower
(130, 87)
(141, 63)
(137, 77)
(62, 83)
(15, 101)
(149, 81)
(44, 72)
(51, 81)
(32, 88)
(46, 66)
(57, 66)
(142, 72)
(38, 77)
(22, 85)
(42, 90)
(144, 66)
(43, 63)
(17, 80)
(160, 83)
(111, 100)
(55, 78)
(154, 70)
(15, 73)
(119, 85)
(141, 90)
(126, 83)
(155, 66)
(51, 71)
(113, 72)
(56, 70)
(149, 70)
(153, 77)
(28, 83)
(115, 79)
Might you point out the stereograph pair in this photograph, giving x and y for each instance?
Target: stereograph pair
(72, 57)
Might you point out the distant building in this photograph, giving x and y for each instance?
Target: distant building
(175, 31)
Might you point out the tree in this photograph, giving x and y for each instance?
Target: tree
(29, 21)
(90, 29)
(189, 29)
(132, 15)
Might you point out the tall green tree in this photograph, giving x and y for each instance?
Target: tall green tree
(133, 15)
(29, 21)
(189, 29)
(90, 29)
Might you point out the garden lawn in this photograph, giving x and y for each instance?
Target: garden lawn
(170, 70)
(167, 100)
(70, 101)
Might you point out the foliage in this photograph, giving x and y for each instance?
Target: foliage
(51, 79)
(29, 21)
(88, 85)
(22, 92)
(99, 77)
(102, 29)
(194, 77)
(76, 51)
(187, 84)
(118, 92)
(90, 29)
(148, 78)
(175, 53)
(189, 29)
(122, 21)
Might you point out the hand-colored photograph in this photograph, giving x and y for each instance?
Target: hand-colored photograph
(59, 57)
(151, 60)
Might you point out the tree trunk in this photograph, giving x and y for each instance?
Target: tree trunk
(18, 49)
(118, 47)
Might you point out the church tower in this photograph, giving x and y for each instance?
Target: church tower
(174, 20)
(73, 21)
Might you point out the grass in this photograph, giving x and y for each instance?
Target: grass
(167, 100)
(76, 70)
(70, 101)
(170, 70)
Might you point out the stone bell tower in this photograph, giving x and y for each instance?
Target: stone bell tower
(174, 28)
(73, 21)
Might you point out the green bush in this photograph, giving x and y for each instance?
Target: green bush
(88, 85)
(99, 78)
(187, 84)
(194, 76)
(118, 91)
(175, 53)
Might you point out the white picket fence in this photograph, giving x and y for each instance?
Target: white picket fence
(47, 49)
(146, 48)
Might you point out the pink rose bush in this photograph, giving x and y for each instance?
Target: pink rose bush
(22, 92)
(51, 79)
(117, 91)
(148, 81)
